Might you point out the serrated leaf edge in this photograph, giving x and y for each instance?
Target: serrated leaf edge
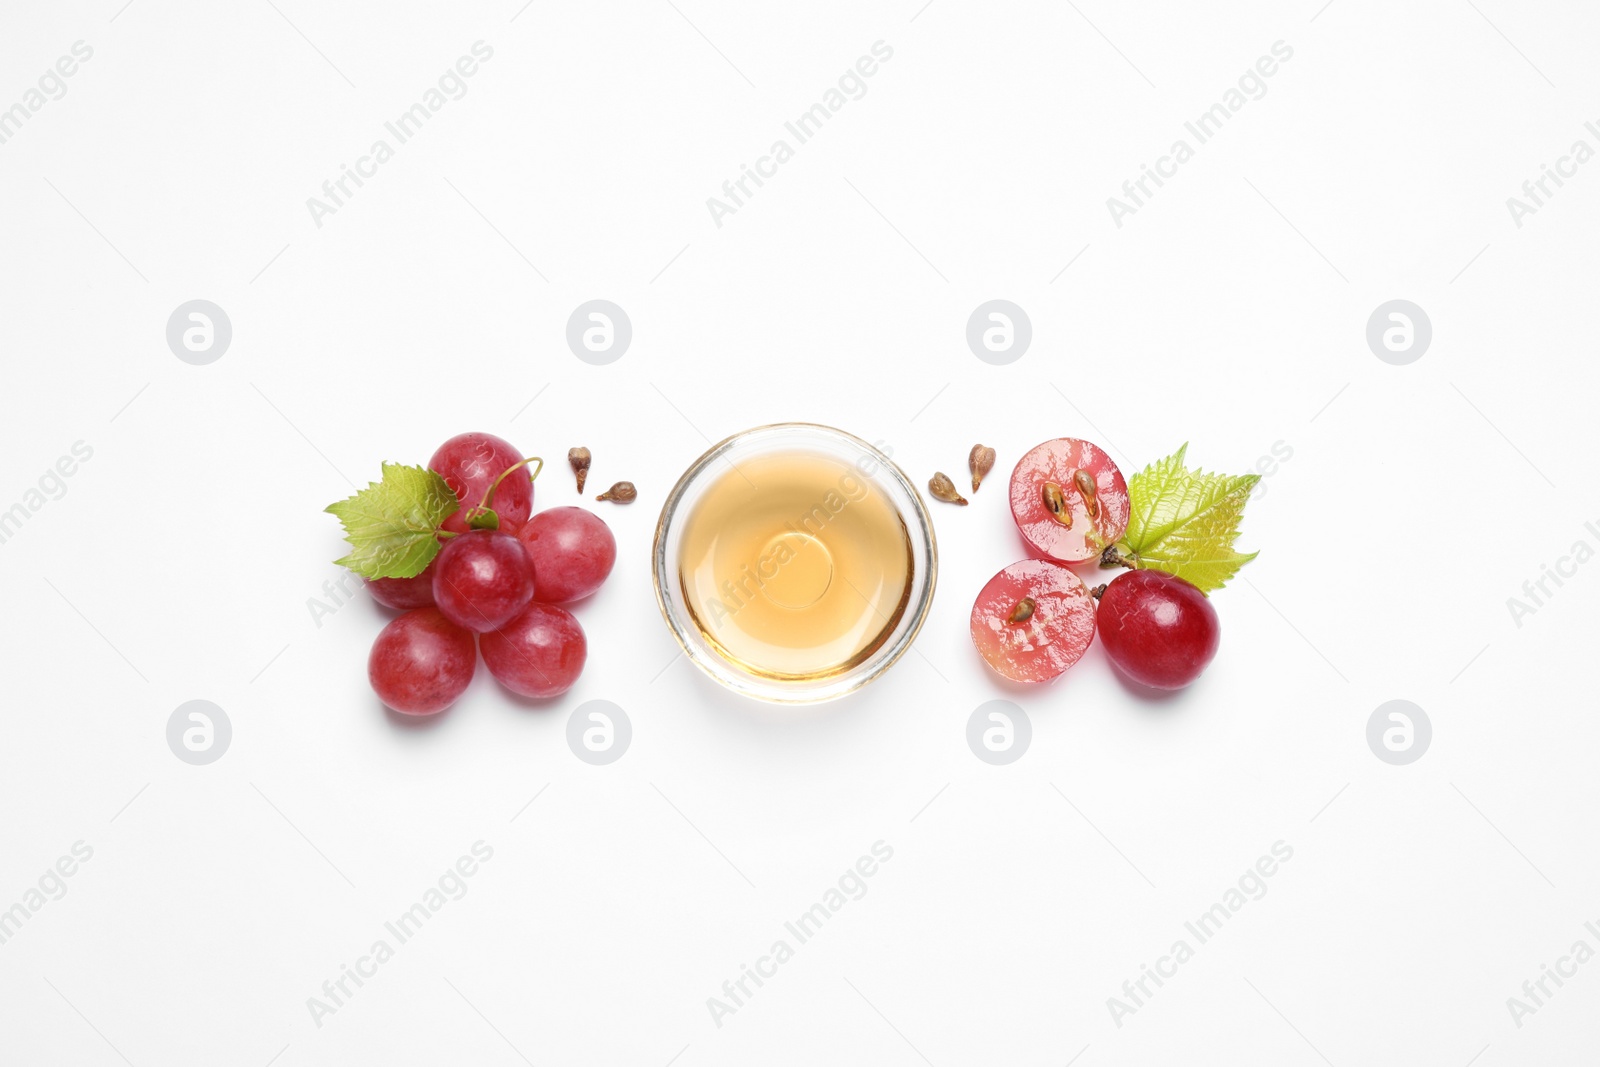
(416, 506)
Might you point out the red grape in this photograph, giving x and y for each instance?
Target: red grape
(405, 593)
(1157, 628)
(484, 578)
(540, 653)
(421, 662)
(1069, 500)
(572, 552)
(1033, 620)
(470, 462)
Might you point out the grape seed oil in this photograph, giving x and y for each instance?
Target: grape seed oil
(795, 566)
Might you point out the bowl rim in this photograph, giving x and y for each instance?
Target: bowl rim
(773, 693)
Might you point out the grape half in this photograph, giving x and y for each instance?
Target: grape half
(1158, 629)
(1033, 620)
(1069, 500)
(421, 662)
(572, 552)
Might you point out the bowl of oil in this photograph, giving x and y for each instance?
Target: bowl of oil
(794, 563)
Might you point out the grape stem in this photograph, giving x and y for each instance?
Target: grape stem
(488, 497)
(1113, 558)
(483, 517)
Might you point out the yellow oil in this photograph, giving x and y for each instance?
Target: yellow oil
(795, 566)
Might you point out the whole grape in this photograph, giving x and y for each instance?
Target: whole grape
(403, 594)
(483, 579)
(421, 662)
(1158, 629)
(572, 552)
(470, 463)
(540, 653)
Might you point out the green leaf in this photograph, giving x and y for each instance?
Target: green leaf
(1184, 521)
(391, 524)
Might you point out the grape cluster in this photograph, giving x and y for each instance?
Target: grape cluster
(496, 590)
(1036, 618)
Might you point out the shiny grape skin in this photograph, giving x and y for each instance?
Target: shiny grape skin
(1052, 639)
(470, 462)
(484, 579)
(572, 552)
(403, 594)
(538, 654)
(1158, 629)
(421, 662)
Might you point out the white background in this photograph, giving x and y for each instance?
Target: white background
(1229, 312)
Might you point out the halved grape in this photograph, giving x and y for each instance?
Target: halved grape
(540, 653)
(1158, 629)
(1033, 620)
(483, 579)
(1069, 500)
(421, 662)
(572, 552)
(470, 462)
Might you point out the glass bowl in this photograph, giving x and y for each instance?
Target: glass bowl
(872, 466)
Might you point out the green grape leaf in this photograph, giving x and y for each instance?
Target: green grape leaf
(1184, 521)
(391, 524)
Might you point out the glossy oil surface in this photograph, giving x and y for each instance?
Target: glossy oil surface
(794, 565)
